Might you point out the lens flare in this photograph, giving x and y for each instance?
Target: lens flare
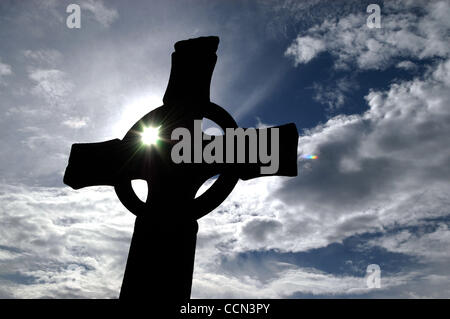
(150, 135)
(310, 156)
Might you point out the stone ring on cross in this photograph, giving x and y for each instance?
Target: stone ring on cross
(200, 205)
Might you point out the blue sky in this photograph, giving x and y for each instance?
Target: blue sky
(373, 104)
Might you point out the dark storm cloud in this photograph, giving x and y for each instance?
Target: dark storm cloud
(260, 229)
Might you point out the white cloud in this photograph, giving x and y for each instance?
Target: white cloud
(51, 84)
(406, 65)
(59, 243)
(304, 49)
(47, 57)
(105, 16)
(403, 34)
(76, 122)
(5, 69)
(374, 164)
(335, 95)
(290, 280)
(260, 230)
(430, 246)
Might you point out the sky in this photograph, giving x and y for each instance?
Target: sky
(372, 103)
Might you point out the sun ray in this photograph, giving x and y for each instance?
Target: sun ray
(150, 135)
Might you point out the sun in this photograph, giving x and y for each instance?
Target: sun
(150, 135)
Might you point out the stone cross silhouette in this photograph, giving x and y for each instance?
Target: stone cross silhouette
(161, 257)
